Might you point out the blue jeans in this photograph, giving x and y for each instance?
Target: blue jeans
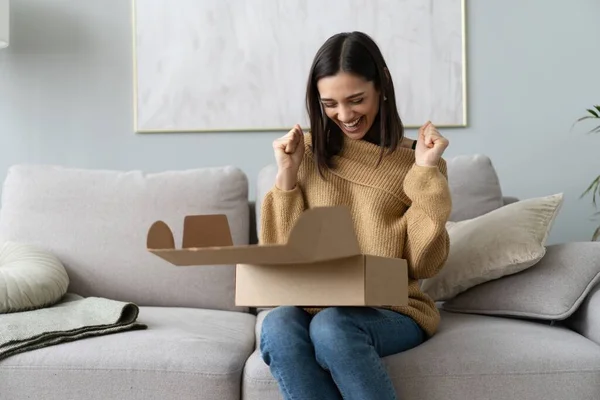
(337, 353)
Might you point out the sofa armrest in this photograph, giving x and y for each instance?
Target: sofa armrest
(260, 317)
(586, 320)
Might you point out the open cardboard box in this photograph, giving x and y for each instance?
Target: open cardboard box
(320, 265)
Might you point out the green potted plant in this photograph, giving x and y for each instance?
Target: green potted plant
(594, 188)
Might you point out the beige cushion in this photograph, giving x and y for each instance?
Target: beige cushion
(502, 242)
(96, 222)
(30, 278)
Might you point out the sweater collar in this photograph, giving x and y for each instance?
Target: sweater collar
(358, 162)
(369, 153)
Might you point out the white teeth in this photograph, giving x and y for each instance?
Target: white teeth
(353, 123)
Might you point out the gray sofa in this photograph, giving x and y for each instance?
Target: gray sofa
(199, 345)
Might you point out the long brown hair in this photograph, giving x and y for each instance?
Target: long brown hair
(356, 53)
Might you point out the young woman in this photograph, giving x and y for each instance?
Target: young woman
(397, 191)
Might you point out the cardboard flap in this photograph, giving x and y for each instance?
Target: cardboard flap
(160, 236)
(264, 255)
(206, 231)
(198, 231)
(324, 233)
(320, 234)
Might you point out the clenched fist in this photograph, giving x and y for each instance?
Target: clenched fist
(289, 150)
(430, 146)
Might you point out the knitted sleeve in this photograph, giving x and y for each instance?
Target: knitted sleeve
(281, 208)
(427, 243)
(279, 212)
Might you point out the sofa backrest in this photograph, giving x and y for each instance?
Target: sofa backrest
(96, 223)
(474, 186)
(473, 182)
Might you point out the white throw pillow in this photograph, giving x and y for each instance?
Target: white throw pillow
(502, 242)
(30, 278)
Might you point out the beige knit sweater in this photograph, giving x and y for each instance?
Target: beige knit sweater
(399, 210)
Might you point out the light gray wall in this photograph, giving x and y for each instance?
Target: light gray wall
(66, 98)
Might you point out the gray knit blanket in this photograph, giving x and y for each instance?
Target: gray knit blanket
(72, 319)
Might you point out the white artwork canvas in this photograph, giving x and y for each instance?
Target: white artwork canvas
(242, 65)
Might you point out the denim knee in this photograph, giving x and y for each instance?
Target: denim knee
(279, 319)
(279, 328)
(329, 331)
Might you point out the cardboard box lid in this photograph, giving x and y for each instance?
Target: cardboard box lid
(320, 234)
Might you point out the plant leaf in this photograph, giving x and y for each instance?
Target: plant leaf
(595, 130)
(597, 108)
(596, 191)
(594, 187)
(594, 183)
(596, 234)
(582, 118)
(593, 112)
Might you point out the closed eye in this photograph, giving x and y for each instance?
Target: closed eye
(332, 105)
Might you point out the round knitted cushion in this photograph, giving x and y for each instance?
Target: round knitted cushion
(30, 278)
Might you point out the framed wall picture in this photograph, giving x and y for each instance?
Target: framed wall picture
(242, 65)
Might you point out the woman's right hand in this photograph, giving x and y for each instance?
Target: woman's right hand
(289, 150)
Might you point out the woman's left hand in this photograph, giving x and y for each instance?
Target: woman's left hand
(430, 146)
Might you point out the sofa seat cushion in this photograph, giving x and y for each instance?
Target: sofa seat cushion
(479, 357)
(184, 354)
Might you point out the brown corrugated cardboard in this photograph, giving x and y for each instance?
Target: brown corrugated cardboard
(320, 265)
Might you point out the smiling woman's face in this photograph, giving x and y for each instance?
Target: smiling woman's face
(350, 101)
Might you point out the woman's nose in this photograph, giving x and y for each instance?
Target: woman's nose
(345, 114)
